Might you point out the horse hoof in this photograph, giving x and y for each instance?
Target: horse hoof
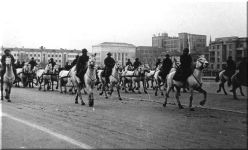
(156, 94)
(225, 93)
(100, 93)
(217, 91)
(9, 100)
(106, 97)
(162, 94)
(120, 99)
(164, 104)
(82, 103)
(145, 92)
(76, 102)
(180, 107)
(139, 92)
(192, 109)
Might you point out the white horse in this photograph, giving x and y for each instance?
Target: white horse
(65, 80)
(8, 79)
(89, 80)
(193, 82)
(44, 75)
(114, 80)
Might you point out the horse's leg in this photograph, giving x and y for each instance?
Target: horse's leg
(241, 92)
(177, 97)
(204, 94)
(57, 80)
(105, 89)
(167, 95)
(102, 88)
(80, 95)
(190, 100)
(223, 87)
(235, 86)
(118, 91)
(156, 87)
(52, 83)
(219, 88)
(161, 89)
(144, 86)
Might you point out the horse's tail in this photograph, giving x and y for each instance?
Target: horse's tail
(217, 79)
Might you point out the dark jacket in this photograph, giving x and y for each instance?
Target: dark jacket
(231, 67)
(186, 62)
(136, 64)
(74, 62)
(157, 63)
(129, 63)
(32, 63)
(166, 65)
(185, 69)
(109, 62)
(4, 58)
(82, 62)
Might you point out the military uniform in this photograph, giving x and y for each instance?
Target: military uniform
(242, 74)
(32, 63)
(129, 63)
(158, 62)
(136, 64)
(185, 69)
(81, 65)
(109, 63)
(166, 67)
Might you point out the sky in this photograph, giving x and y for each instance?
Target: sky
(78, 24)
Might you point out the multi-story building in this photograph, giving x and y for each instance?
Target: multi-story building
(158, 40)
(120, 52)
(222, 48)
(149, 55)
(42, 55)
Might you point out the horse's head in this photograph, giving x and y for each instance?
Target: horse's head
(92, 61)
(201, 63)
(48, 68)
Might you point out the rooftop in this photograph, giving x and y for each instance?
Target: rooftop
(115, 44)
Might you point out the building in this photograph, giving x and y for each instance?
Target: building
(120, 52)
(149, 55)
(158, 40)
(222, 48)
(42, 55)
(195, 42)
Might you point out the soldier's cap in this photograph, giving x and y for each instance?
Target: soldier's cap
(6, 50)
(109, 54)
(84, 50)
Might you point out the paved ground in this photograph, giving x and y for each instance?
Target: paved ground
(37, 119)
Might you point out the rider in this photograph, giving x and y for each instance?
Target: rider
(242, 67)
(158, 62)
(136, 63)
(166, 67)
(67, 66)
(74, 62)
(8, 54)
(51, 61)
(81, 65)
(33, 63)
(184, 70)
(129, 62)
(109, 63)
(230, 69)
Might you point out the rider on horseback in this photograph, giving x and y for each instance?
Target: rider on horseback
(8, 54)
(166, 67)
(33, 63)
(158, 62)
(136, 63)
(128, 62)
(51, 61)
(242, 74)
(185, 69)
(230, 69)
(109, 63)
(81, 66)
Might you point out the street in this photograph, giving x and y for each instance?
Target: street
(37, 119)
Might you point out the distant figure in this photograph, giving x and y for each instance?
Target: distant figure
(158, 62)
(81, 66)
(242, 67)
(51, 61)
(74, 62)
(33, 63)
(128, 62)
(166, 67)
(109, 63)
(185, 69)
(136, 63)
(67, 66)
(230, 69)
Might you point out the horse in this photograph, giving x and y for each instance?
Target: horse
(7, 79)
(114, 80)
(44, 75)
(133, 77)
(65, 80)
(193, 83)
(236, 82)
(89, 80)
(25, 74)
(55, 76)
(149, 76)
(158, 80)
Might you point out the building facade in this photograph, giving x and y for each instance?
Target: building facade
(222, 48)
(120, 52)
(158, 40)
(42, 55)
(149, 55)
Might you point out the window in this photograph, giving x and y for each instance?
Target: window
(31, 55)
(218, 66)
(218, 46)
(59, 60)
(48, 55)
(55, 55)
(52, 55)
(34, 55)
(59, 55)
(14, 54)
(38, 55)
(230, 53)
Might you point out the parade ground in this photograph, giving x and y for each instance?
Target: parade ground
(38, 119)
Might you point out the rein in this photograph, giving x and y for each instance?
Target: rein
(197, 80)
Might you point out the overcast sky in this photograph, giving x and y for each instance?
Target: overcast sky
(82, 23)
